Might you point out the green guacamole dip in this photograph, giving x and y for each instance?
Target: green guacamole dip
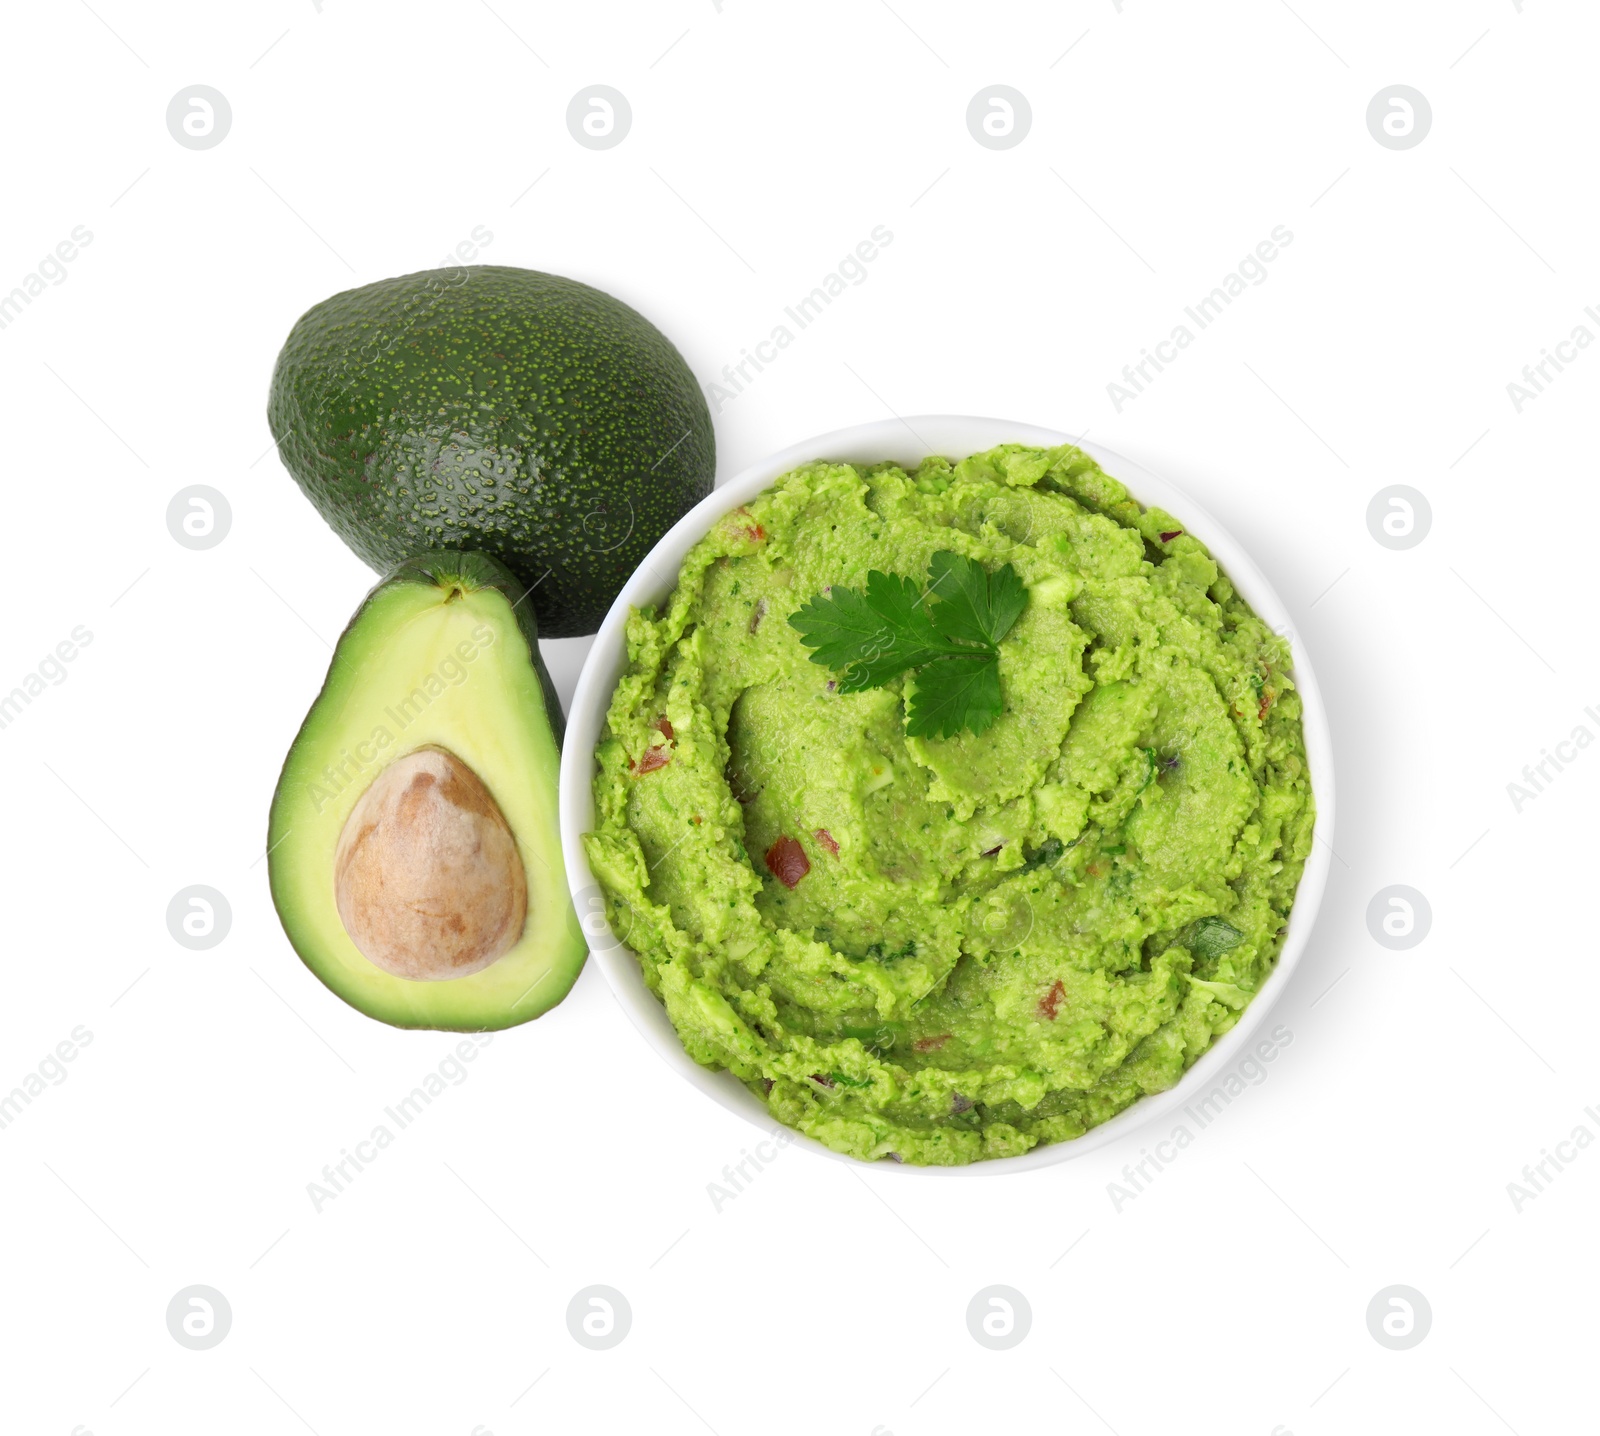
(992, 942)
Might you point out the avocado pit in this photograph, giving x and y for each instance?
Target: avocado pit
(427, 876)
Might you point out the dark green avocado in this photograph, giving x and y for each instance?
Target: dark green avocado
(514, 413)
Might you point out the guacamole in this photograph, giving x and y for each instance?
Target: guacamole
(941, 950)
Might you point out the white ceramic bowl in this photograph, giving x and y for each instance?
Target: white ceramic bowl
(907, 441)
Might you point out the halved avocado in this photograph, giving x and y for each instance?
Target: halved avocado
(413, 846)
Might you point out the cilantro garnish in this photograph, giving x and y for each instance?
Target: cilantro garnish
(949, 634)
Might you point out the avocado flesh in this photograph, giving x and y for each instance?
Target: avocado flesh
(518, 414)
(440, 655)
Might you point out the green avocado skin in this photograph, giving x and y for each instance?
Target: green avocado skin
(515, 413)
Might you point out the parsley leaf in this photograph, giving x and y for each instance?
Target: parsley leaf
(975, 606)
(955, 693)
(950, 635)
(869, 638)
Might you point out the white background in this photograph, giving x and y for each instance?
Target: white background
(1167, 140)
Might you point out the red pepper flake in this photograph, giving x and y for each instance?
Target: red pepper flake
(820, 1080)
(1052, 1000)
(1267, 695)
(827, 840)
(931, 1044)
(752, 530)
(787, 861)
(1170, 535)
(657, 757)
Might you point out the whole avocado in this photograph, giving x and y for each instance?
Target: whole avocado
(520, 414)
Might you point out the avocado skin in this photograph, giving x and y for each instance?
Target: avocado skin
(520, 414)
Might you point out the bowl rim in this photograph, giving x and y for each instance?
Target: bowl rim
(903, 439)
